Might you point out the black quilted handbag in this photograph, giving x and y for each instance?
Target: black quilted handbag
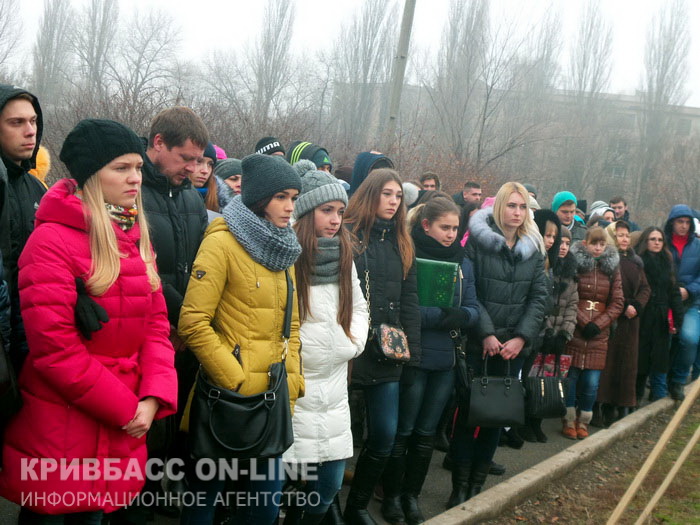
(496, 401)
(546, 396)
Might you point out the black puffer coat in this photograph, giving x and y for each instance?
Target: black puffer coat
(393, 299)
(511, 285)
(177, 220)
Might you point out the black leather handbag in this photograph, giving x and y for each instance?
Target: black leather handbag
(226, 424)
(496, 401)
(546, 396)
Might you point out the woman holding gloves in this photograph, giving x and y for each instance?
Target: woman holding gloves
(87, 278)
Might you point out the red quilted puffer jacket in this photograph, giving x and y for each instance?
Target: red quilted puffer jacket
(77, 393)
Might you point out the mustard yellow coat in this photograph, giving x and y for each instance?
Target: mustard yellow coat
(233, 300)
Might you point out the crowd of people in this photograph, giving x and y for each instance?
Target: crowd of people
(161, 265)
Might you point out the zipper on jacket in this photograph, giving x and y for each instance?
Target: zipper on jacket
(237, 354)
(383, 232)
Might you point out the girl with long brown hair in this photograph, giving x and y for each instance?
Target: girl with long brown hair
(333, 330)
(385, 261)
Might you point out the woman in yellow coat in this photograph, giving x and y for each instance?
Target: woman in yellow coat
(233, 314)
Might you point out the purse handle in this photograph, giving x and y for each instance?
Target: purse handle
(557, 366)
(486, 363)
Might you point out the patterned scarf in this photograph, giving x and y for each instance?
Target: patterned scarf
(124, 217)
(275, 248)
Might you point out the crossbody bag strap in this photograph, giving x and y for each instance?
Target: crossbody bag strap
(369, 307)
(287, 327)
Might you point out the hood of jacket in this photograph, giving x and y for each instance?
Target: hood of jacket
(566, 267)
(364, 163)
(7, 93)
(679, 210)
(543, 216)
(585, 262)
(61, 205)
(485, 233)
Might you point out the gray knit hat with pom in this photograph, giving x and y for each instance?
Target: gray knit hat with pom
(317, 187)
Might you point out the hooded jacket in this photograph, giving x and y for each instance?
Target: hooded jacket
(564, 296)
(78, 393)
(688, 264)
(364, 164)
(599, 281)
(177, 220)
(20, 195)
(511, 284)
(233, 315)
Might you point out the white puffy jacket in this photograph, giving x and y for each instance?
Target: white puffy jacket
(322, 417)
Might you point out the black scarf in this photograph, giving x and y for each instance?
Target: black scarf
(657, 268)
(429, 248)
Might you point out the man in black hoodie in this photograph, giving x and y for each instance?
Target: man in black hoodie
(21, 127)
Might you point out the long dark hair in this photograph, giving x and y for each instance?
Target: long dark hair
(306, 234)
(642, 244)
(362, 212)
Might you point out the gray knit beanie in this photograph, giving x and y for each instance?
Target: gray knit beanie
(265, 175)
(228, 168)
(317, 187)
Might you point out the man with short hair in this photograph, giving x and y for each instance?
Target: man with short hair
(470, 193)
(21, 127)
(430, 181)
(685, 248)
(619, 206)
(564, 205)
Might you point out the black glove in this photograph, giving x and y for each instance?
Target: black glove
(453, 319)
(547, 340)
(408, 375)
(590, 330)
(89, 316)
(559, 342)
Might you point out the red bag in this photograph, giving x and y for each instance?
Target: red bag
(548, 361)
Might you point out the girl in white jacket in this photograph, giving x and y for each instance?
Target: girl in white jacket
(334, 327)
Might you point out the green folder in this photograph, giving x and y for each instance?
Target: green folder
(436, 282)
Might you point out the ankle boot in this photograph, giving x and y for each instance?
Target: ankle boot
(477, 478)
(334, 516)
(368, 470)
(597, 420)
(460, 482)
(608, 415)
(420, 451)
(392, 480)
(536, 425)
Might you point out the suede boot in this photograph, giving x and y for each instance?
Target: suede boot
(460, 483)
(392, 480)
(477, 478)
(569, 423)
(582, 426)
(420, 451)
(368, 470)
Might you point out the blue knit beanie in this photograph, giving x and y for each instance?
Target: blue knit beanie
(561, 197)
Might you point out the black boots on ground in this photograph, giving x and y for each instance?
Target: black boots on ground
(392, 481)
(368, 470)
(467, 482)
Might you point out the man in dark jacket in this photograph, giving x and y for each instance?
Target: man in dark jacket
(470, 193)
(685, 248)
(619, 206)
(20, 134)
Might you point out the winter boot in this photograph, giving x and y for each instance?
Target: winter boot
(392, 480)
(569, 423)
(582, 427)
(597, 420)
(368, 470)
(608, 414)
(677, 391)
(334, 516)
(477, 478)
(460, 483)
(420, 451)
(536, 425)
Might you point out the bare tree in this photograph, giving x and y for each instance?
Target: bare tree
(590, 58)
(51, 51)
(10, 29)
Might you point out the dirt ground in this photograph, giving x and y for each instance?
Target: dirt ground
(590, 493)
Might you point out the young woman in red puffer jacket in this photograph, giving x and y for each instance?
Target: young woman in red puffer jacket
(100, 365)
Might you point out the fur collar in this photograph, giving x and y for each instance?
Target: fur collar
(566, 267)
(484, 232)
(585, 263)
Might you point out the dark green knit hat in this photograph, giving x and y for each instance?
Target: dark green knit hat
(265, 175)
(94, 143)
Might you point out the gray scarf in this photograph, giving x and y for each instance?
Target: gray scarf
(327, 263)
(275, 248)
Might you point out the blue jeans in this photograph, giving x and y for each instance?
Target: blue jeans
(421, 403)
(258, 499)
(325, 483)
(687, 354)
(585, 383)
(478, 445)
(382, 402)
(28, 517)
(659, 386)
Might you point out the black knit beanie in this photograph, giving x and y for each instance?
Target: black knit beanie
(94, 143)
(210, 152)
(268, 146)
(265, 175)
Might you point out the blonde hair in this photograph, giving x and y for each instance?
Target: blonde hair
(104, 251)
(528, 228)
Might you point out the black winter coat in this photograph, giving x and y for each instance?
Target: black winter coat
(393, 299)
(511, 285)
(177, 219)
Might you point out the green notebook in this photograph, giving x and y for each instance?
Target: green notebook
(436, 282)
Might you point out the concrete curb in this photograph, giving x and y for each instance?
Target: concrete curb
(494, 501)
